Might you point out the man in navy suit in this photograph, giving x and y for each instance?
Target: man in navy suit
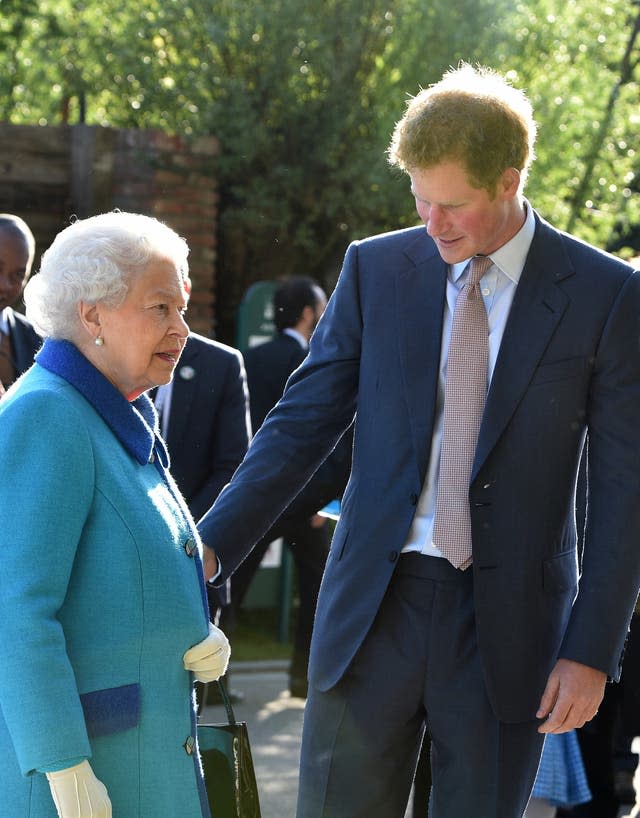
(19, 342)
(494, 656)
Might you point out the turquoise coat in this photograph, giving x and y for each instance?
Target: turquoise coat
(101, 593)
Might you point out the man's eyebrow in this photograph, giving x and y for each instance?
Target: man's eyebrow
(449, 203)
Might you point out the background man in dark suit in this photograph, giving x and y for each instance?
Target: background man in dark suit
(298, 304)
(204, 418)
(19, 342)
(503, 646)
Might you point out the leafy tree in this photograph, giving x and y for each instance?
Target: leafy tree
(303, 100)
(579, 62)
(14, 19)
(303, 94)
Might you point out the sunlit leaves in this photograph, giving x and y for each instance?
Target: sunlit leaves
(303, 95)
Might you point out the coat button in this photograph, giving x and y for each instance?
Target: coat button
(190, 547)
(189, 745)
(152, 457)
(393, 556)
(414, 499)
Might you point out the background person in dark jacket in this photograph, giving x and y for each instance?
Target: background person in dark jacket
(19, 342)
(298, 304)
(204, 419)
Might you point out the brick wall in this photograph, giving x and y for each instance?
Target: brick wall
(48, 174)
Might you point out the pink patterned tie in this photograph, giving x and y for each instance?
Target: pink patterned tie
(464, 398)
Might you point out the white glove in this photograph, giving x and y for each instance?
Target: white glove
(209, 659)
(77, 793)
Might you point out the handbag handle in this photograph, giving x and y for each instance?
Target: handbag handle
(226, 702)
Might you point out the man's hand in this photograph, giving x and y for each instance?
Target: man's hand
(571, 698)
(209, 563)
(317, 521)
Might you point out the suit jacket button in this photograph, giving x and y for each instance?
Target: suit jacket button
(393, 556)
(190, 547)
(189, 745)
(414, 499)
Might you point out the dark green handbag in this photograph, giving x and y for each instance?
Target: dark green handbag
(228, 766)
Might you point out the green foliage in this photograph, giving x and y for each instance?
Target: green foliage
(569, 55)
(256, 636)
(303, 95)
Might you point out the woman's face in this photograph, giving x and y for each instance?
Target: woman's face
(144, 337)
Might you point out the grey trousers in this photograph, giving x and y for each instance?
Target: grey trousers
(418, 665)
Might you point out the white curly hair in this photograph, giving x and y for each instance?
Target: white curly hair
(94, 260)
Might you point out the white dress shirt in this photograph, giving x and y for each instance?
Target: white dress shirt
(498, 286)
(4, 323)
(162, 401)
(293, 333)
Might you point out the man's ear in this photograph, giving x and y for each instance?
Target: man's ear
(89, 315)
(308, 314)
(509, 183)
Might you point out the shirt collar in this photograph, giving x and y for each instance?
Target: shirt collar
(511, 257)
(134, 423)
(293, 333)
(4, 322)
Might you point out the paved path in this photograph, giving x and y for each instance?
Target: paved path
(274, 722)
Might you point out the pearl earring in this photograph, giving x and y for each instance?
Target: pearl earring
(99, 341)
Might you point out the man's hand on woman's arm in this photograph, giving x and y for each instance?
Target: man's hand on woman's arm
(210, 563)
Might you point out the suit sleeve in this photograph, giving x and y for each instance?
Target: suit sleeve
(610, 576)
(46, 490)
(316, 409)
(327, 484)
(232, 432)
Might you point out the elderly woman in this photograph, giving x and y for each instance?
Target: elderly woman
(102, 603)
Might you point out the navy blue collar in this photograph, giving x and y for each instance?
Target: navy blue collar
(134, 423)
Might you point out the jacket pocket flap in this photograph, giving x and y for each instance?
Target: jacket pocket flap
(559, 370)
(560, 572)
(111, 710)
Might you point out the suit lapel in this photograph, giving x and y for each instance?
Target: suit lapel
(420, 303)
(538, 306)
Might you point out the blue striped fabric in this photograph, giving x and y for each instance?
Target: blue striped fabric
(561, 778)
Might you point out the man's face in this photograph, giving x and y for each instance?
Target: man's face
(463, 220)
(15, 265)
